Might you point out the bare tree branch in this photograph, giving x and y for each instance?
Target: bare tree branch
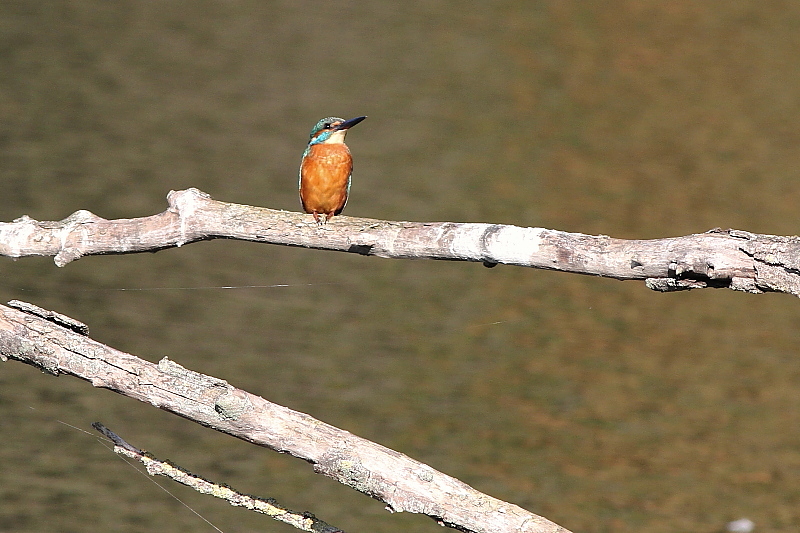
(60, 345)
(719, 258)
(269, 507)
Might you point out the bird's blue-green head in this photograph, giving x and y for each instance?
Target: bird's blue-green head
(332, 130)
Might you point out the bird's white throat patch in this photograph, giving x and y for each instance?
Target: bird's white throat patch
(337, 137)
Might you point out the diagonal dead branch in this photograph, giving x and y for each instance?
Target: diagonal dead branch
(386, 475)
(269, 507)
(732, 259)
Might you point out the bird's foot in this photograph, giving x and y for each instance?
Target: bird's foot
(321, 219)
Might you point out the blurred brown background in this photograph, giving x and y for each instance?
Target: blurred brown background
(598, 404)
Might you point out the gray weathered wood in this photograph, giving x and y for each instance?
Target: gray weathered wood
(389, 476)
(719, 258)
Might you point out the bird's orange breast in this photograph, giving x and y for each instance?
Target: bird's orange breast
(325, 178)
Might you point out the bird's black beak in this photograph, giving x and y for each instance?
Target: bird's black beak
(347, 124)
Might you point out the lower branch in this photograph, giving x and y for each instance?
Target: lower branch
(269, 507)
(59, 345)
(719, 258)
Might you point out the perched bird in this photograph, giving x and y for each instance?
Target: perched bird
(326, 169)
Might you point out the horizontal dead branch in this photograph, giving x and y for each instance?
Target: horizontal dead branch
(59, 345)
(733, 259)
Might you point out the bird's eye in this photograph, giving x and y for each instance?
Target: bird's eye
(328, 125)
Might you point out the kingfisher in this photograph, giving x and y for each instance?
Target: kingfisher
(326, 169)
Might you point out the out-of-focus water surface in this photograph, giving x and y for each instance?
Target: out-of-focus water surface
(598, 404)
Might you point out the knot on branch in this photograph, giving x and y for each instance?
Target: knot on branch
(232, 404)
(340, 464)
(71, 244)
(184, 204)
